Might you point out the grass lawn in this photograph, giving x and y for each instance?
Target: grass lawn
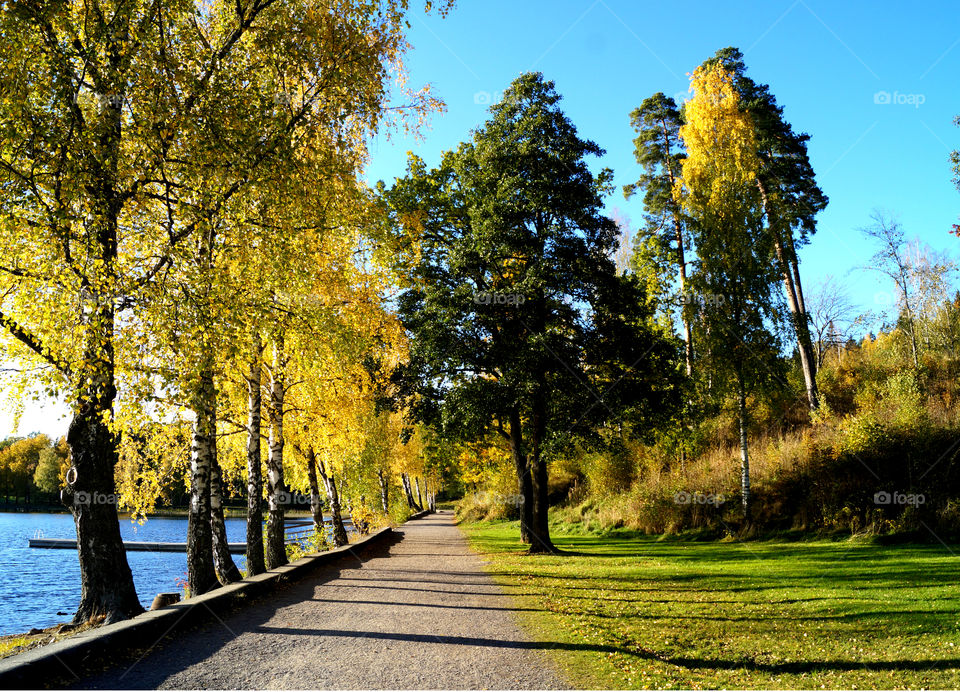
(629, 611)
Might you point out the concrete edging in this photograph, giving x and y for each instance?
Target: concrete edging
(32, 669)
(420, 515)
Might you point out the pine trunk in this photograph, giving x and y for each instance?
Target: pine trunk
(201, 574)
(791, 280)
(255, 559)
(276, 550)
(681, 259)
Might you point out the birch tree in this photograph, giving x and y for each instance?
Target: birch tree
(734, 276)
(920, 276)
(789, 195)
(125, 130)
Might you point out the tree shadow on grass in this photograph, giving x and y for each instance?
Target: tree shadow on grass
(682, 661)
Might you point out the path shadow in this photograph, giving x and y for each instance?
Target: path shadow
(428, 605)
(149, 668)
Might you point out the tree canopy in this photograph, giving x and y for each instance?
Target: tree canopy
(519, 324)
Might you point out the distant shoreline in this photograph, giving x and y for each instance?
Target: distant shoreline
(178, 513)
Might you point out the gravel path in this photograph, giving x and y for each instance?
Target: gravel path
(426, 616)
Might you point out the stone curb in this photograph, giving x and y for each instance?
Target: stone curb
(36, 668)
(420, 515)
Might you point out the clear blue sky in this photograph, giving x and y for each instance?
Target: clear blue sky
(824, 60)
(827, 62)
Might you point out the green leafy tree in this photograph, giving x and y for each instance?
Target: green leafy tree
(659, 150)
(520, 326)
(19, 462)
(52, 466)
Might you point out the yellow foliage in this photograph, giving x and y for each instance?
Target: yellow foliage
(722, 160)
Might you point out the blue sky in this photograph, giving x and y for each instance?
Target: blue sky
(826, 61)
(832, 65)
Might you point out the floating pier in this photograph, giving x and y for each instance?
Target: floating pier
(144, 546)
(296, 530)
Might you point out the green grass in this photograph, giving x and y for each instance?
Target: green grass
(629, 611)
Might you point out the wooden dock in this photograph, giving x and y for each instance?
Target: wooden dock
(296, 530)
(144, 546)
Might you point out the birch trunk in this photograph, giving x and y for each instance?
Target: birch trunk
(333, 497)
(316, 505)
(384, 490)
(201, 574)
(276, 550)
(744, 451)
(255, 558)
(912, 323)
(408, 490)
(223, 563)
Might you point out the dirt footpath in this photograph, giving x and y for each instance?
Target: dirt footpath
(426, 616)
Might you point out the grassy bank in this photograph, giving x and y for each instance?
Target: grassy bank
(633, 611)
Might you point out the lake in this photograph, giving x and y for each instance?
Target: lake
(37, 583)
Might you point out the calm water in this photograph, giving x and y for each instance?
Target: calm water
(37, 583)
